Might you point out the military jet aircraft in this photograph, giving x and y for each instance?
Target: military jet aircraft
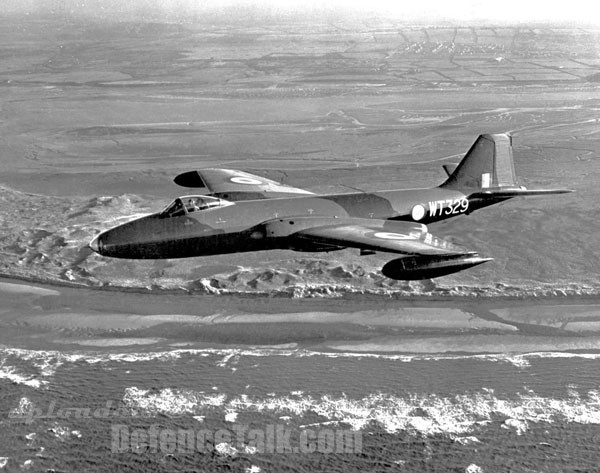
(235, 211)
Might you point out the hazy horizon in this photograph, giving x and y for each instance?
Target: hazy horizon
(433, 11)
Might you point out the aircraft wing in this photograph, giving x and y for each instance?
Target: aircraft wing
(424, 256)
(235, 185)
(367, 234)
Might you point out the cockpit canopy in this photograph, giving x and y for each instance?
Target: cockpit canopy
(192, 203)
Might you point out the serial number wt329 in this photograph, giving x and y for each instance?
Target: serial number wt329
(438, 208)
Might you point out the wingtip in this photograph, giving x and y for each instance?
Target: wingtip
(191, 179)
(560, 191)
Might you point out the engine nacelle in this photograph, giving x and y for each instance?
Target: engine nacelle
(427, 267)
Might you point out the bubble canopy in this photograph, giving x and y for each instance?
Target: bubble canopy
(192, 203)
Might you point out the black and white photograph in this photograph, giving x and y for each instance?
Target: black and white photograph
(262, 236)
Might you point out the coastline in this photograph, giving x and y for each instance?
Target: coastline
(72, 318)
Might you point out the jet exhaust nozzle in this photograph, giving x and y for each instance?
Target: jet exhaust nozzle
(413, 268)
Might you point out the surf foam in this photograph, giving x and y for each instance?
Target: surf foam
(426, 414)
(48, 361)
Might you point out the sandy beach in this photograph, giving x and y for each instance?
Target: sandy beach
(62, 314)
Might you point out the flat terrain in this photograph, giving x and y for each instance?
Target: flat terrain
(494, 369)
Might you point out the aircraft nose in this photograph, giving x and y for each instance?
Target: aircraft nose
(96, 244)
(125, 241)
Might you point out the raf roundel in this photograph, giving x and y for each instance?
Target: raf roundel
(418, 212)
(245, 180)
(392, 236)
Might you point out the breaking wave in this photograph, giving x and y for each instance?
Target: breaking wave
(426, 414)
(41, 365)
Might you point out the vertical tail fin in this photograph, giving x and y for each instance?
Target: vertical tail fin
(487, 164)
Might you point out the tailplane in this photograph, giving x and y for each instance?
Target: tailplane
(488, 168)
(488, 164)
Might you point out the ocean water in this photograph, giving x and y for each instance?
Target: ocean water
(87, 385)
(446, 413)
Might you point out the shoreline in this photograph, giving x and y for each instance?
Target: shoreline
(282, 295)
(66, 318)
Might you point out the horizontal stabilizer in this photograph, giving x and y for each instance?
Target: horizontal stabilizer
(487, 171)
(521, 192)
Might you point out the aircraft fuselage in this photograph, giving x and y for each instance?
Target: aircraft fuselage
(239, 226)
